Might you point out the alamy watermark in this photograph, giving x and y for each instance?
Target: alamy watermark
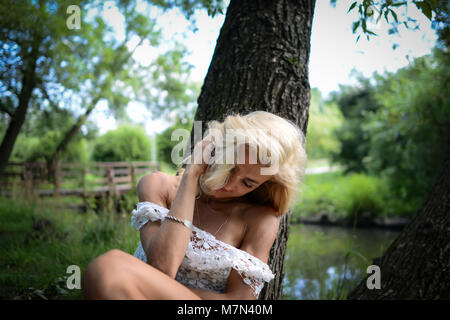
(374, 280)
(74, 20)
(74, 280)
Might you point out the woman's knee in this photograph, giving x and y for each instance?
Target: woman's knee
(105, 276)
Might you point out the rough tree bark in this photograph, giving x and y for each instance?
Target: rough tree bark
(417, 264)
(17, 119)
(261, 63)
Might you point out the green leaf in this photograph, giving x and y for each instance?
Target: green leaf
(355, 26)
(379, 17)
(353, 5)
(398, 4)
(394, 15)
(425, 7)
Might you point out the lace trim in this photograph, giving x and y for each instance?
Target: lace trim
(205, 252)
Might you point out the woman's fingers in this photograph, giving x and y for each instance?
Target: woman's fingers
(202, 156)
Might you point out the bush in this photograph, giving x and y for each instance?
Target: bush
(40, 148)
(397, 127)
(123, 144)
(362, 196)
(344, 196)
(166, 145)
(324, 118)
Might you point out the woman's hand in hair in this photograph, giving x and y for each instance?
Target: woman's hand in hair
(201, 157)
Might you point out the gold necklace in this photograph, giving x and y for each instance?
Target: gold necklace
(200, 223)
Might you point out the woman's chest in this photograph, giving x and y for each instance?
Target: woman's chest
(225, 222)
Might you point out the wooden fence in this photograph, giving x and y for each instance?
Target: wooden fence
(74, 179)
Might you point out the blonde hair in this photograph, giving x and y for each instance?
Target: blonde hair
(282, 141)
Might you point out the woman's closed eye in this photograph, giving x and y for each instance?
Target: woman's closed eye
(245, 184)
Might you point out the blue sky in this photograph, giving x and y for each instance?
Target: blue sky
(334, 51)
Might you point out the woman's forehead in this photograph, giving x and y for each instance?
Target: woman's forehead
(252, 171)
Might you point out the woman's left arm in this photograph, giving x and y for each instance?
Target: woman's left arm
(261, 232)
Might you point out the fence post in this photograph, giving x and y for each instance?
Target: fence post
(111, 187)
(23, 175)
(133, 175)
(85, 202)
(27, 178)
(57, 179)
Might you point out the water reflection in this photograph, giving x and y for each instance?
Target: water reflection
(328, 262)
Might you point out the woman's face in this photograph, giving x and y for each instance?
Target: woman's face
(243, 179)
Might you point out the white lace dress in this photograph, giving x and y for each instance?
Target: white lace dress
(207, 262)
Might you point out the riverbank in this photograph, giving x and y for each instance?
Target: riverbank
(324, 219)
(350, 200)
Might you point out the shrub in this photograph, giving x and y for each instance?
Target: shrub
(363, 196)
(344, 196)
(126, 143)
(42, 147)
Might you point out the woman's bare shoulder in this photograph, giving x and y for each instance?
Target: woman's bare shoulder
(260, 213)
(262, 228)
(157, 187)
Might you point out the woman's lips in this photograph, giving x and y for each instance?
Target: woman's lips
(223, 190)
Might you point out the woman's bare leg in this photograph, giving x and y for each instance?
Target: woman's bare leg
(119, 275)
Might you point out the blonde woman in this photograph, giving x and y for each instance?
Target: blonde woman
(207, 232)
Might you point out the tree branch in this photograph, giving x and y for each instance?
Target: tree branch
(6, 109)
(47, 96)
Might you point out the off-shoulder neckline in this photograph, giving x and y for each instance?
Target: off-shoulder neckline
(210, 234)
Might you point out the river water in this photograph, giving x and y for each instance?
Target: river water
(324, 262)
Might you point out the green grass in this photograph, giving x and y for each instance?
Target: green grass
(36, 255)
(343, 196)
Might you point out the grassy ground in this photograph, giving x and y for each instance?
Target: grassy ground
(38, 243)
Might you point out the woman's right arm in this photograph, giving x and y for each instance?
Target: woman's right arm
(165, 245)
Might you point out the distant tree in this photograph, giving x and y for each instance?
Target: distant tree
(165, 142)
(324, 118)
(408, 131)
(126, 143)
(355, 104)
(396, 127)
(28, 34)
(42, 130)
(44, 61)
(415, 266)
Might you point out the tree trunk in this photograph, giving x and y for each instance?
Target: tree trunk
(261, 63)
(417, 264)
(18, 118)
(62, 146)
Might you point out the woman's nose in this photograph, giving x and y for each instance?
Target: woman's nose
(231, 184)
